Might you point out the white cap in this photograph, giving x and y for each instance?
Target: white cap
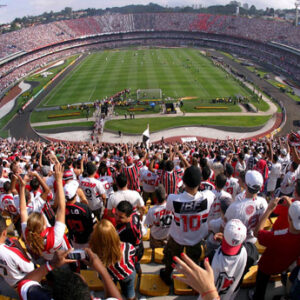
(294, 213)
(235, 233)
(254, 180)
(70, 189)
(97, 159)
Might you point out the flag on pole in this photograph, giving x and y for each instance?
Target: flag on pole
(146, 137)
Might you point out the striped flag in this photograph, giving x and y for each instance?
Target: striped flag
(146, 137)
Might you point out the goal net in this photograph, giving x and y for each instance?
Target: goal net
(148, 94)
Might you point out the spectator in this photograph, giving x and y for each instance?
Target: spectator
(93, 190)
(159, 219)
(124, 194)
(43, 241)
(80, 220)
(117, 257)
(129, 230)
(14, 263)
(288, 251)
(189, 226)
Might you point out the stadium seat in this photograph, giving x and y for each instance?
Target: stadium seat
(261, 249)
(2, 297)
(92, 280)
(250, 278)
(8, 222)
(202, 252)
(268, 225)
(181, 288)
(152, 285)
(147, 257)
(146, 237)
(158, 255)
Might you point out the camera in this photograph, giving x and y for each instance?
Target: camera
(77, 254)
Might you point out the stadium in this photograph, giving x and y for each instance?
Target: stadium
(143, 90)
(274, 47)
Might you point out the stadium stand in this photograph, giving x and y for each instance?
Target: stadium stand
(271, 39)
(31, 177)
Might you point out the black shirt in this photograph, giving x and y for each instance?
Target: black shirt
(80, 221)
(131, 232)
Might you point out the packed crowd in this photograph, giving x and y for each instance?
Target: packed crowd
(79, 206)
(61, 35)
(34, 37)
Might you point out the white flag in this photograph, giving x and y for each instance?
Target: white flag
(146, 137)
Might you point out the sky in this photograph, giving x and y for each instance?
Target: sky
(21, 8)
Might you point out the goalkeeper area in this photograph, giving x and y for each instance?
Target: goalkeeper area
(149, 94)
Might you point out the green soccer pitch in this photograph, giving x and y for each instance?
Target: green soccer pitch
(177, 72)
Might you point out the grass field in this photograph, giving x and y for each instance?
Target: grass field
(178, 72)
(139, 125)
(42, 116)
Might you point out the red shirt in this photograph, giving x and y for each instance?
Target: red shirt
(283, 248)
(282, 221)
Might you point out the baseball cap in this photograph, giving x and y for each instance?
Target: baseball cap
(254, 180)
(70, 189)
(68, 174)
(192, 176)
(294, 213)
(235, 233)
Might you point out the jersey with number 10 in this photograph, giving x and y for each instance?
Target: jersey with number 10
(190, 212)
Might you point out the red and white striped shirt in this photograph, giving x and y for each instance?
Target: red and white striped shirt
(171, 181)
(125, 266)
(133, 174)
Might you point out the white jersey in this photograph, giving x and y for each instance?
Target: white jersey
(287, 185)
(284, 161)
(274, 174)
(107, 182)
(190, 212)
(54, 239)
(127, 195)
(249, 211)
(93, 189)
(10, 203)
(50, 182)
(13, 264)
(232, 187)
(148, 180)
(215, 210)
(160, 219)
(228, 271)
(240, 167)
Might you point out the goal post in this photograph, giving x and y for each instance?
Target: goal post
(148, 94)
